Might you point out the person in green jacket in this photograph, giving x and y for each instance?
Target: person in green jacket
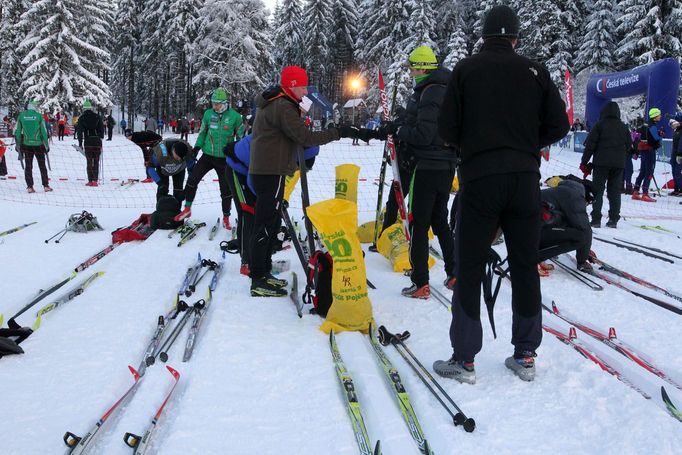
(218, 129)
(32, 140)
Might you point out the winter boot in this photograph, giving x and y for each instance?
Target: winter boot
(261, 288)
(545, 266)
(450, 282)
(611, 224)
(595, 223)
(47, 189)
(646, 198)
(636, 196)
(186, 213)
(147, 180)
(226, 222)
(423, 292)
(628, 188)
(244, 269)
(456, 369)
(522, 364)
(585, 267)
(30, 190)
(275, 281)
(542, 272)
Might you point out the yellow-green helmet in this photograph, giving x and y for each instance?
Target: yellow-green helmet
(219, 96)
(423, 58)
(654, 112)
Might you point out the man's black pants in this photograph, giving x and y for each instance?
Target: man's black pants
(269, 193)
(205, 164)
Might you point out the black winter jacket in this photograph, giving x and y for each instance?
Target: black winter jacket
(609, 141)
(566, 207)
(500, 109)
(90, 129)
(419, 132)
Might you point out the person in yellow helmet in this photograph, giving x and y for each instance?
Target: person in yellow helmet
(430, 171)
(650, 141)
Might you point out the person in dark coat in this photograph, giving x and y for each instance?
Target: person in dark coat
(434, 169)
(608, 145)
(146, 140)
(565, 224)
(499, 186)
(676, 155)
(90, 132)
(169, 159)
(110, 126)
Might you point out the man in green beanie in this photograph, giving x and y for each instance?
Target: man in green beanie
(218, 129)
(32, 140)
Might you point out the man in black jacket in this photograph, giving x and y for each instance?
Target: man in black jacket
(609, 141)
(434, 169)
(90, 132)
(499, 175)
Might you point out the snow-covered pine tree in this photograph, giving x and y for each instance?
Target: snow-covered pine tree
(288, 35)
(318, 17)
(456, 46)
(672, 26)
(343, 38)
(126, 37)
(11, 69)
(640, 25)
(58, 64)
(596, 53)
(95, 21)
(421, 25)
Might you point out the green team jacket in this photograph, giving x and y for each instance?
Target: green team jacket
(31, 129)
(217, 130)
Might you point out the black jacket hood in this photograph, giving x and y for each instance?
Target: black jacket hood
(610, 110)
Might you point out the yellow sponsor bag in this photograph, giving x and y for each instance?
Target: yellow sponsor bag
(290, 183)
(347, 182)
(393, 246)
(336, 222)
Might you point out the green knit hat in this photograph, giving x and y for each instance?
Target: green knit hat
(87, 104)
(423, 58)
(219, 95)
(654, 112)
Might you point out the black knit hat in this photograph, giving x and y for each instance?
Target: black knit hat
(501, 20)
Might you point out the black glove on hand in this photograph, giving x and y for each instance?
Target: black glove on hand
(229, 149)
(385, 129)
(196, 150)
(365, 135)
(349, 131)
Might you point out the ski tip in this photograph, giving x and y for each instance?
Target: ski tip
(173, 371)
(612, 333)
(377, 448)
(134, 372)
(2, 319)
(36, 325)
(572, 333)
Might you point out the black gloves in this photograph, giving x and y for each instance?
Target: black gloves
(229, 149)
(385, 129)
(349, 131)
(365, 135)
(196, 150)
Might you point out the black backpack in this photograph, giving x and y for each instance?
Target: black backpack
(320, 273)
(167, 207)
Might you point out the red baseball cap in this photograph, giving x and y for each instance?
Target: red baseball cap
(293, 76)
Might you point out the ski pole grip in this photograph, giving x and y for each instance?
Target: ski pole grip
(71, 439)
(131, 440)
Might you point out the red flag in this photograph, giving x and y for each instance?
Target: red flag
(569, 96)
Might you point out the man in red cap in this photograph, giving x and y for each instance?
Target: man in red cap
(278, 133)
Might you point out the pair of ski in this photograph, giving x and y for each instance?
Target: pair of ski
(86, 444)
(660, 230)
(18, 228)
(187, 231)
(630, 246)
(617, 345)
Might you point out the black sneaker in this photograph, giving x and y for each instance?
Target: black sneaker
(595, 224)
(271, 279)
(611, 224)
(261, 288)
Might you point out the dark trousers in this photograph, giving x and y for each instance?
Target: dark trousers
(559, 240)
(628, 171)
(429, 195)
(512, 202)
(29, 152)
(92, 155)
(60, 132)
(3, 166)
(246, 208)
(391, 213)
(269, 194)
(647, 165)
(110, 133)
(164, 185)
(612, 177)
(184, 135)
(677, 173)
(205, 164)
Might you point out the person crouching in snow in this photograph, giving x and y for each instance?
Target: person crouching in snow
(170, 158)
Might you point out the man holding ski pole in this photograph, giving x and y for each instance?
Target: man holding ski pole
(499, 186)
(32, 141)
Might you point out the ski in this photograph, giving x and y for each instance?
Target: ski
(634, 249)
(577, 275)
(352, 404)
(614, 343)
(191, 233)
(200, 309)
(81, 445)
(66, 298)
(12, 324)
(572, 341)
(154, 346)
(628, 276)
(293, 295)
(441, 298)
(660, 230)
(216, 275)
(18, 228)
(657, 250)
(142, 444)
(129, 182)
(214, 230)
(96, 257)
(435, 253)
(397, 184)
(401, 395)
(177, 230)
(670, 406)
(189, 275)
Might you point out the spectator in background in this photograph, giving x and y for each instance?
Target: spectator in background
(159, 126)
(3, 162)
(150, 124)
(110, 122)
(676, 155)
(32, 141)
(183, 126)
(61, 126)
(74, 124)
(577, 125)
(192, 124)
(48, 126)
(649, 143)
(123, 125)
(90, 132)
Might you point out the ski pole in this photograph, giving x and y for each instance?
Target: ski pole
(181, 306)
(210, 266)
(396, 340)
(174, 334)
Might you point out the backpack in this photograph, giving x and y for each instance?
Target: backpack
(320, 274)
(167, 207)
(139, 229)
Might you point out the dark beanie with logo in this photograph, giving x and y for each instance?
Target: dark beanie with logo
(501, 20)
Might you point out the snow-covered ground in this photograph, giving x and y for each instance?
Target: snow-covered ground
(262, 380)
